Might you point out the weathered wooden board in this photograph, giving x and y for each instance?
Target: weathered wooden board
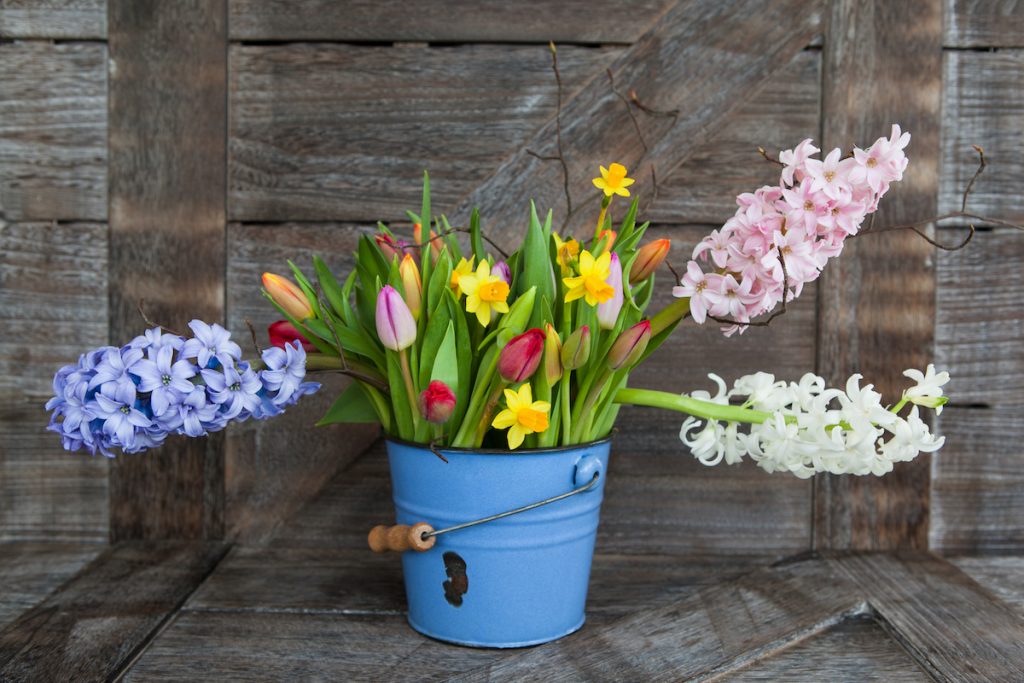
(273, 468)
(854, 650)
(978, 482)
(31, 570)
(877, 302)
(698, 62)
(984, 23)
(96, 623)
(167, 222)
(1003, 576)
(536, 21)
(952, 626)
(53, 19)
(979, 326)
(983, 104)
(46, 493)
(704, 188)
(355, 581)
(340, 132)
(53, 136)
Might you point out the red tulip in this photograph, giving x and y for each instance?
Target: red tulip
(283, 332)
(437, 402)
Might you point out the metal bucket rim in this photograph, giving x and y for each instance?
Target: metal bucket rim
(499, 451)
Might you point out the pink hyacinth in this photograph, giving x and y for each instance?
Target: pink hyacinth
(782, 235)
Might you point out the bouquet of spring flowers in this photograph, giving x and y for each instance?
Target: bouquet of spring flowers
(452, 342)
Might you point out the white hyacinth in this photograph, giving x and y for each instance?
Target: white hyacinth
(808, 428)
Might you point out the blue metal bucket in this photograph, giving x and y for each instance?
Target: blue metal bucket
(517, 581)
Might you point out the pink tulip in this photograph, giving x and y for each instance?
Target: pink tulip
(501, 269)
(630, 345)
(608, 312)
(395, 325)
(521, 356)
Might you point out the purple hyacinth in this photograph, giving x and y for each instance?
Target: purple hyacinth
(211, 341)
(155, 339)
(115, 365)
(234, 391)
(285, 371)
(168, 382)
(115, 405)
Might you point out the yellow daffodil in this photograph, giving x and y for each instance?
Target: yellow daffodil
(566, 252)
(592, 282)
(463, 268)
(485, 293)
(522, 416)
(613, 180)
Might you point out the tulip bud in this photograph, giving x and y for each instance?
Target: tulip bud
(501, 269)
(608, 312)
(648, 259)
(435, 247)
(605, 240)
(521, 356)
(437, 402)
(552, 354)
(389, 247)
(288, 296)
(412, 285)
(283, 332)
(630, 345)
(576, 349)
(417, 233)
(395, 325)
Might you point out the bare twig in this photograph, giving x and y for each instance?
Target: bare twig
(671, 113)
(150, 323)
(629, 109)
(763, 152)
(558, 130)
(329, 321)
(504, 254)
(675, 274)
(252, 333)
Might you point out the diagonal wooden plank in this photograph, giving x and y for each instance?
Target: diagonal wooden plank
(91, 627)
(956, 629)
(701, 60)
(721, 628)
(877, 303)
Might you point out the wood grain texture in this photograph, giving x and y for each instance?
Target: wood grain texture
(167, 223)
(719, 629)
(354, 581)
(854, 650)
(271, 469)
(983, 104)
(53, 139)
(339, 132)
(703, 189)
(95, 624)
(978, 482)
(984, 23)
(952, 626)
(736, 46)
(877, 302)
(527, 21)
(31, 570)
(83, 19)
(978, 321)
(1003, 576)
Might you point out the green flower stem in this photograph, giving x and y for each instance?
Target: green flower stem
(691, 406)
(483, 382)
(605, 203)
(668, 315)
(485, 418)
(410, 388)
(585, 415)
(563, 400)
(899, 406)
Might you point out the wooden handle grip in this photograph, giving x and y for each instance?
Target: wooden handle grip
(401, 537)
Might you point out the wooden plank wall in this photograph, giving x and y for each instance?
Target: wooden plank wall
(329, 122)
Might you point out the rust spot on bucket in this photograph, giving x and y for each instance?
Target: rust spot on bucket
(457, 584)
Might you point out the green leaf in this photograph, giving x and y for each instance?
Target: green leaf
(320, 344)
(536, 261)
(351, 406)
(451, 241)
(439, 280)
(329, 286)
(629, 220)
(306, 288)
(399, 398)
(446, 362)
(519, 315)
(628, 245)
(432, 338)
(465, 360)
(475, 237)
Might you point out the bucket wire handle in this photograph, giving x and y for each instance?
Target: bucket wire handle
(421, 536)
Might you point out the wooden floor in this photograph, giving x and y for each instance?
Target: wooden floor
(291, 608)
